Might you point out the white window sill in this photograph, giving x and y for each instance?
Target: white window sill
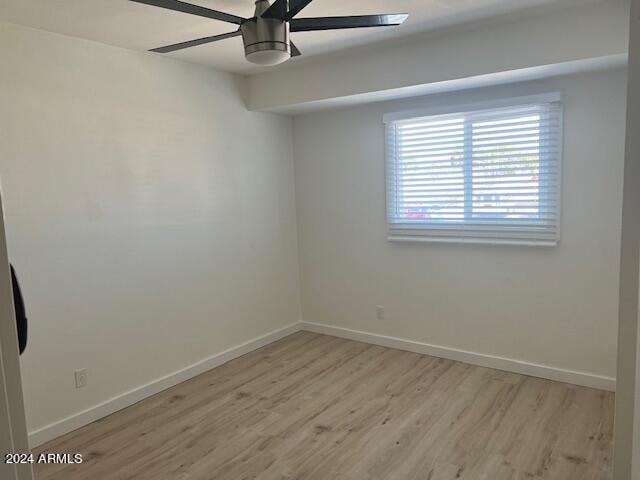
(471, 240)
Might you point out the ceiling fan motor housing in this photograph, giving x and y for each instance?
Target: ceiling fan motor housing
(266, 40)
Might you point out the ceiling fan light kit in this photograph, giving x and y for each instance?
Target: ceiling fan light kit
(266, 35)
(266, 40)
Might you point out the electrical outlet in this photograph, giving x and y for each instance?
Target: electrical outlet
(379, 312)
(81, 378)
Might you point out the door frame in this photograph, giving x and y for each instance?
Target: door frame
(626, 459)
(13, 426)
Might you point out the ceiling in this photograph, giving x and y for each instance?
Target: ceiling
(141, 27)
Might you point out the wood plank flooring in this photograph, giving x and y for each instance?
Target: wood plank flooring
(315, 407)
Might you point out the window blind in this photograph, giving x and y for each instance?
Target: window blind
(490, 175)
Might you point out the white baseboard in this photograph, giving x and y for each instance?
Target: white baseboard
(584, 379)
(80, 419)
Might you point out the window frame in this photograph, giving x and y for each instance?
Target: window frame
(425, 232)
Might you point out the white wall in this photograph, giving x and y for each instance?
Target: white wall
(549, 306)
(150, 216)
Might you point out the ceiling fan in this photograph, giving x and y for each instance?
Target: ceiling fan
(266, 34)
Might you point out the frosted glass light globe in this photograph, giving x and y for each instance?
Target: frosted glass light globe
(268, 57)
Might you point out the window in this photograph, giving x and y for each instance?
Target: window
(483, 175)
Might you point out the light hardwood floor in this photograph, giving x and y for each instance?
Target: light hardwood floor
(322, 408)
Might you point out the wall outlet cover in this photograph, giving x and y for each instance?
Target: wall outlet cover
(81, 378)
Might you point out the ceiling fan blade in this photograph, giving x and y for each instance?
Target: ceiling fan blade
(179, 6)
(295, 6)
(193, 43)
(279, 9)
(335, 23)
(294, 50)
